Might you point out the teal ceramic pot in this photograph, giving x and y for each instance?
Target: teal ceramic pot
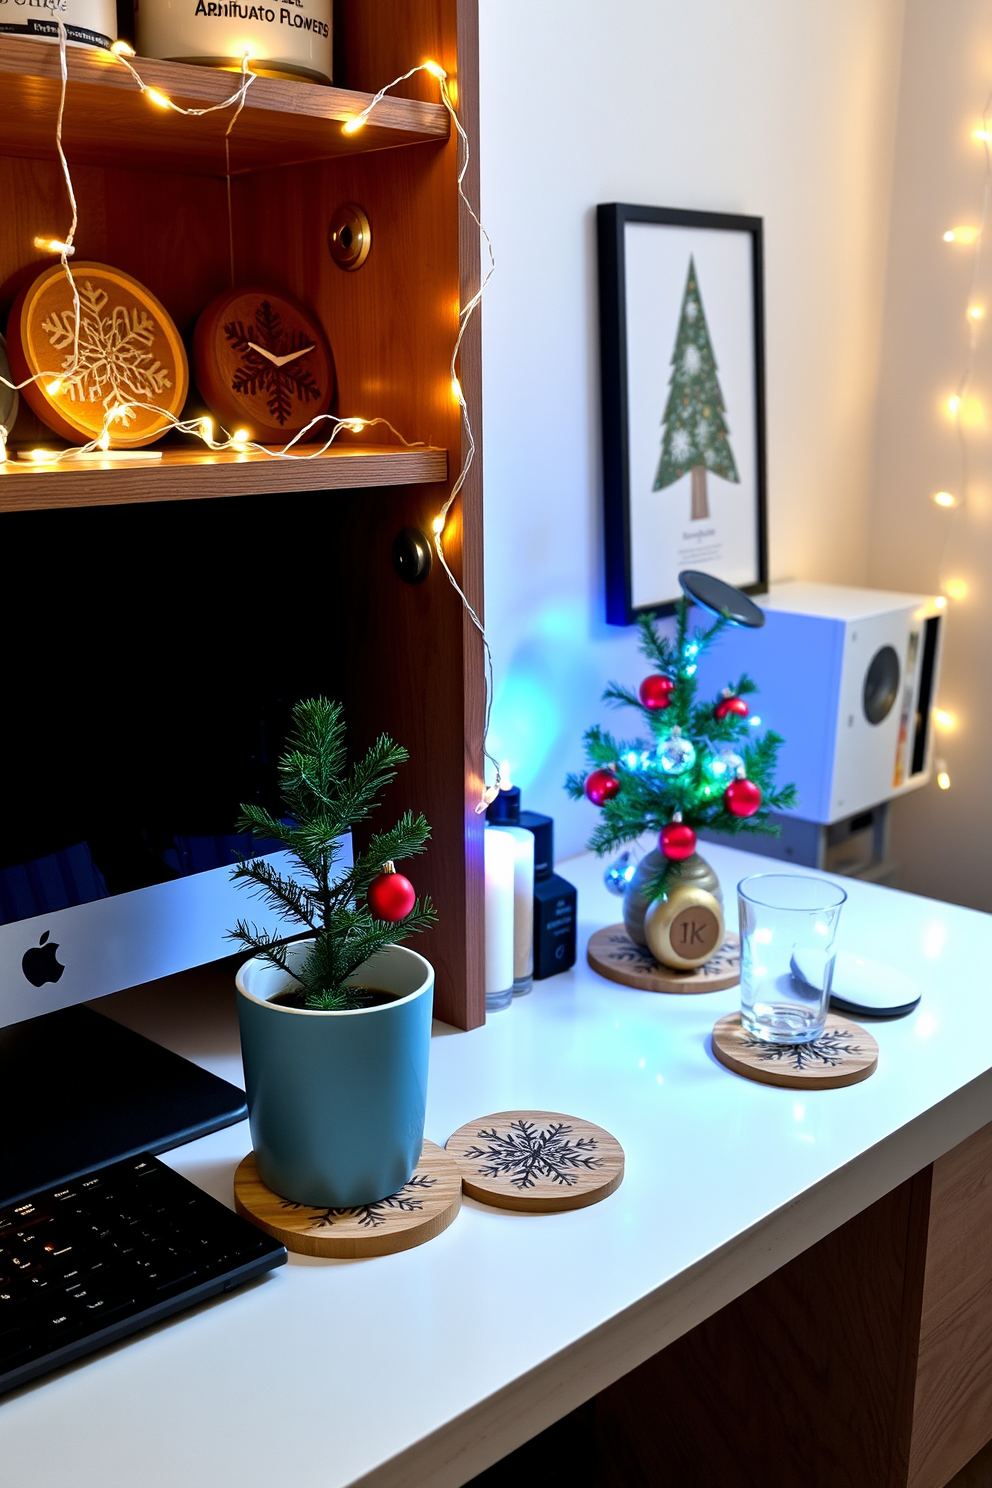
(336, 1101)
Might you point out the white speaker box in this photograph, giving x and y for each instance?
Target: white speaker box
(849, 678)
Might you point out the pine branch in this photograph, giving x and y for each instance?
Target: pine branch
(616, 693)
(263, 945)
(286, 896)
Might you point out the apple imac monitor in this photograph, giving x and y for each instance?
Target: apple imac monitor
(150, 662)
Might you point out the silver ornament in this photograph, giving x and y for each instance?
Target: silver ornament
(619, 873)
(676, 754)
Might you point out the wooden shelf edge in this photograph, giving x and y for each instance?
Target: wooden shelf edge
(188, 475)
(33, 65)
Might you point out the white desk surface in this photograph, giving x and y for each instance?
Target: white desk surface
(422, 1368)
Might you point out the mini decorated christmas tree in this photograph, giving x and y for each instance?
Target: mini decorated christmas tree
(703, 764)
(696, 435)
(350, 914)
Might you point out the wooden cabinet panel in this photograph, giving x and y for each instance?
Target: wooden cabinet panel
(952, 1415)
(797, 1384)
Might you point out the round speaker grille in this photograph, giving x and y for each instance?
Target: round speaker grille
(881, 684)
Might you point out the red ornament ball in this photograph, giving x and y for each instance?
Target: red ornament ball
(742, 797)
(601, 786)
(729, 705)
(655, 692)
(677, 840)
(391, 896)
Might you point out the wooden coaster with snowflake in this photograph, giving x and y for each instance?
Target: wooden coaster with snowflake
(842, 1055)
(614, 955)
(540, 1161)
(124, 358)
(424, 1207)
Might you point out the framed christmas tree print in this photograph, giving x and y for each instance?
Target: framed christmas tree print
(682, 359)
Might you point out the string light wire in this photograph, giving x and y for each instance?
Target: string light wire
(465, 314)
(957, 403)
(203, 428)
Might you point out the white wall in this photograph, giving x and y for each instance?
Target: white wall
(778, 108)
(941, 838)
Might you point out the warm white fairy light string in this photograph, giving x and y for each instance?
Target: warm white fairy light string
(956, 588)
(490, 792)
(974, 315)
(239, 441)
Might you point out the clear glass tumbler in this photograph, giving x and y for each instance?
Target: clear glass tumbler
(788, 925)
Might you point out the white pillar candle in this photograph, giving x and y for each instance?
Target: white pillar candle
(523, 906)
(500, 862)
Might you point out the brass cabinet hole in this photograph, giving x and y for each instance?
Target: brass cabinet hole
(350, 236)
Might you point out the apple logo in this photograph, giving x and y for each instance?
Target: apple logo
(40, 964)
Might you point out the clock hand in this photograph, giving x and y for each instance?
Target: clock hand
(280, 361)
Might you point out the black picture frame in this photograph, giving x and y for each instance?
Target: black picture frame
(622, 605)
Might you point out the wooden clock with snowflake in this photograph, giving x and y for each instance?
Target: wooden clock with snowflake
(123, 369)
(262, 363)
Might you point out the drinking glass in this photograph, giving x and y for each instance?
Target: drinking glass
(788, 925)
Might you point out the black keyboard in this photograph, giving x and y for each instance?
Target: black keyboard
(88, 1262)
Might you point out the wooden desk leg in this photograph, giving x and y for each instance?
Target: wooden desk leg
(806, 1381)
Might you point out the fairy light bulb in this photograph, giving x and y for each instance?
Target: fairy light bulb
(964, 235)
(944, 498)
(956, 589)
(354, 125)
(437, 526)
(54, 388)
(240, 438)
(940, 603)
(154, 95)
(436, 70)
(55, 245)
(104, 440)
(122, 49)
(976, 312)
(943, 719)
(207, 430)
(953, 405)
(943, 779)
(456, 390)
(982, 135)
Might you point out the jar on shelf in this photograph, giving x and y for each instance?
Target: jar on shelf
(91, 23)
(287, 38)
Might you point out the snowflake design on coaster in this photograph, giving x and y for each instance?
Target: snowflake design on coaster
(257, 374)
(626, 950)
(830, 1049)
(524, 1153)
(113, 362)
(408, 1200)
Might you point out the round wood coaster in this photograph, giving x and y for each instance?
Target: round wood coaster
(540, 1161)
(842, 1055)
(614, 955)
(420, 1211)
(130, 355)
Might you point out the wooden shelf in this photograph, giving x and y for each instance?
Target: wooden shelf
(187, 474)
(109, 122)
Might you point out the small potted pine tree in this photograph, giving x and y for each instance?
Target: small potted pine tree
(336, 1025)
(700, 766)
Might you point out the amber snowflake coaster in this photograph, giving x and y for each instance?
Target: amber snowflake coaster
(614, 955)
(842, 1055)
(540, 1161)
(421, 1210)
